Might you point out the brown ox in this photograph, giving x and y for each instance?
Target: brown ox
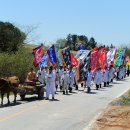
(8, 85)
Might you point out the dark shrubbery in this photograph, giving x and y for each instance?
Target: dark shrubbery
(10, 37)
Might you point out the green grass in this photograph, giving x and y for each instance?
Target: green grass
(124, 100)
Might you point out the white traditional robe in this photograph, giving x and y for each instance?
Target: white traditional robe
(65, 80)
(89, 79)
(50, 85)
(98, 77)
(61, 72)
(105, 76)
(72, 76)
(111, 71)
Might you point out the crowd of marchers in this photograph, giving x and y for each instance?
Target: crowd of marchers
(65, 78)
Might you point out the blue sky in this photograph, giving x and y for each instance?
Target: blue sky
(108, 21)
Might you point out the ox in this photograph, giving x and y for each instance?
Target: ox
(8, 85)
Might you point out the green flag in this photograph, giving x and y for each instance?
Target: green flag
(118, 61)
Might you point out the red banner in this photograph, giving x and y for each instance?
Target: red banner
(37, 55)
(102, 58)
(94, 59)
(74, 61)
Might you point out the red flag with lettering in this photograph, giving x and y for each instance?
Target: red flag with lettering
(37, 55)
(74, 61)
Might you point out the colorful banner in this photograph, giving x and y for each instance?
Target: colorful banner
(44, 61)
(79, 53)
(74, 61)
(82, 46)
(52, 55)
(84, 64)
(94, 59)
(59, 58)
(66, 56)
(123, 56)
(102, 58)
(118, 61)
(110, 56)
(37, 55)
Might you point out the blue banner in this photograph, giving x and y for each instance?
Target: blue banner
(44, 61)
(52, 55)
(123, 55)
(59, 58)
(66, 56)
(82, 47)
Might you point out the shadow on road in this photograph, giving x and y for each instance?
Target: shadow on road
(11, 104)
(52, 100)
(91, 92)
(68, 94)
(100, 89)
(74, 92)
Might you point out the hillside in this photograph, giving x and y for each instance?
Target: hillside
(32, 46)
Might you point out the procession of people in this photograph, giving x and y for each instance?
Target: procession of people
(64, 79)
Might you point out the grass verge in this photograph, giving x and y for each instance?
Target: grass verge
(124, 100)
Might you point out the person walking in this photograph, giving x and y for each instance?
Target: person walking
(105, 76)
(72, 76)
(61, 72)
(98, 78)
(89, 79)
(65, 80)
(111, 73)
(50, 84)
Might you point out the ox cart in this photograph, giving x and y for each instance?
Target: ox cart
(28, 88)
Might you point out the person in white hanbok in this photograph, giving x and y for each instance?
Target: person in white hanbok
(50, 84)
(41, 76)
(89, 79)
(111, 73)
(57, 80)
(105, 77)
(120, 72)
(61, 72)
(54, 77)
(98, 78)
(65, 80)
(72, 76)
(75, 78)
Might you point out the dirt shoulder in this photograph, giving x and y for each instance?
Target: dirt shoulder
(116, 116)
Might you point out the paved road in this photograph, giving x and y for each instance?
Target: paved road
(72, 112)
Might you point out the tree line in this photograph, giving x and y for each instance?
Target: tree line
(73, 41)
